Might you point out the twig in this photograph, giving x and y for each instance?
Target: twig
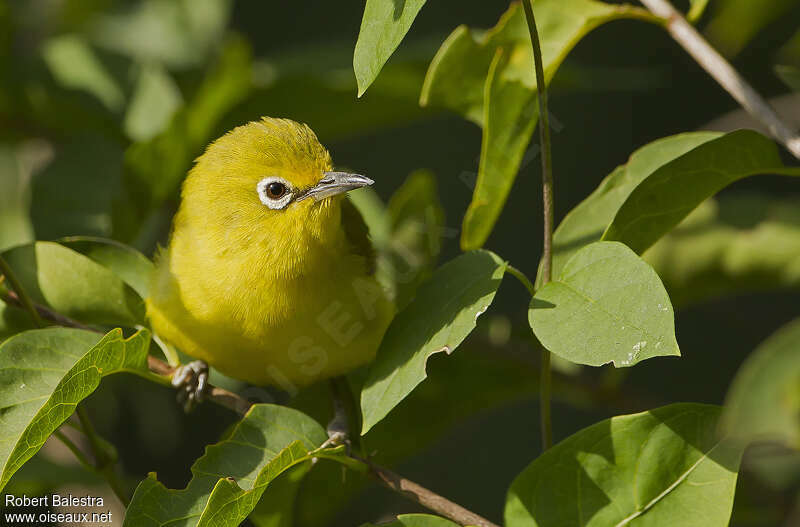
(524, 280)
(721, 70)
(547, 198)
(425, 497)
(19, 290)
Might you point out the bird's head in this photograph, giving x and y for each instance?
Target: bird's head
(266, 179)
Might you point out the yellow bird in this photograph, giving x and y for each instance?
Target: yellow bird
(269, 273)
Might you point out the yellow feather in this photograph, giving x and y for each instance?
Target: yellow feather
(268, 296)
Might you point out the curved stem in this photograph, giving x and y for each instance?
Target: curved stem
(519, 275)
(721, 70)
(547, 197)
(104, 463)
(16, 286)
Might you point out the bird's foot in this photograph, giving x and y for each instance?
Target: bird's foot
(339, 427)
(191, 380)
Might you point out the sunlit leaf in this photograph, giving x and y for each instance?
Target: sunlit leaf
(74, 285)
(230, 478)
(662, 467)
(15, 224)
(763, 402)
(383, 26)
(441, 315)
(670, 193)
(155, 100)
(607, 305)
(74, 65)
(131, 266)
(45, 373)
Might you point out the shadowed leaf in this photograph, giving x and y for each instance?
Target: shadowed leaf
(439, 318)
(230, 478)
(45, 373)
(661, 467)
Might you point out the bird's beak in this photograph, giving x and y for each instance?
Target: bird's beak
(333, 183)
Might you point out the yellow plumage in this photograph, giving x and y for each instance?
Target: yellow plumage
(281, 296)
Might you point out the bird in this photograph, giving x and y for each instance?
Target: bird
(269, 272)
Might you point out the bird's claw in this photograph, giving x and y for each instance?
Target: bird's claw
(192, 382)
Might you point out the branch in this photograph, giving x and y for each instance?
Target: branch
(545, 387)
(721, 70)
(425, 497)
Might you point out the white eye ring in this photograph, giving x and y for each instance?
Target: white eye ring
(275, 203)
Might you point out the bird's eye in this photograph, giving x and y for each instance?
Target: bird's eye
(276, 190)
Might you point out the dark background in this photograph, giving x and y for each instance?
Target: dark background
(624, 85)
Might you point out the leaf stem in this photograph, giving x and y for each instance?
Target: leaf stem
(725, 74)
(545, 382)
(519, 275)
(58, 434)
(104, 462)
(16, 286)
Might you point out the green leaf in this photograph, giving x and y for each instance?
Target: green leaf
(276, 508)
(489, 78)
(696, 10)
(588, 220)
(74, 285)
(45, 373)
(74, 65)
(763, 402)
(607, 305)
(661, 467)
(383, 26)
(230, 478)
(417, 520)
(128, 264)
(155, 100)
(510, 115)
(441, 316)
(738, 243)
(736, 22)
(670, 193)
(15, 224)
(13, 320)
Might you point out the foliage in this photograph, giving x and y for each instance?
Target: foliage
(112, 101)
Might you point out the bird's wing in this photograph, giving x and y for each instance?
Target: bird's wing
(358, 234)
